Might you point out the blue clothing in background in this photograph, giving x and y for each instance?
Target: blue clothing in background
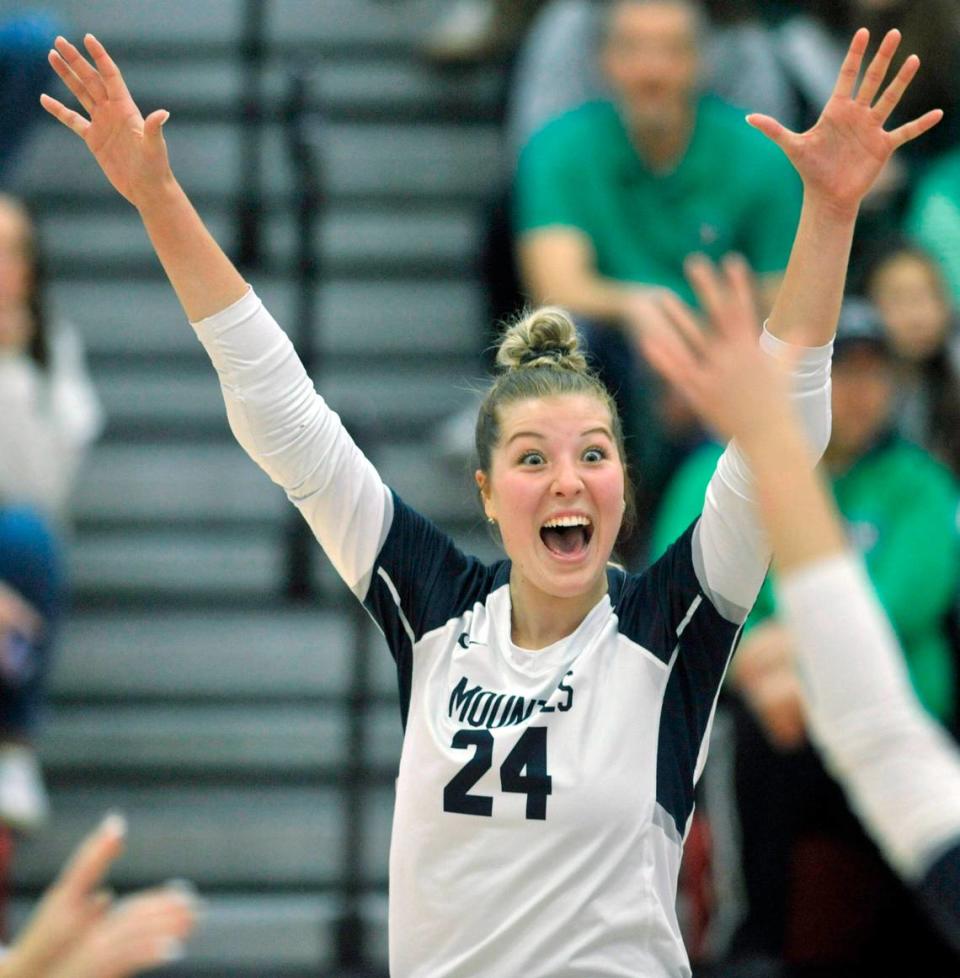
(31, 563)
(24, 73)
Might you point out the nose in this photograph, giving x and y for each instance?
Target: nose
(567, 480)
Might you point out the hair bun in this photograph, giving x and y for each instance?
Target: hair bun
(545, 337)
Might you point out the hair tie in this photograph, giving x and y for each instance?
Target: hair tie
(554, 353)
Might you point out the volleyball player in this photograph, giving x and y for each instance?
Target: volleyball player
(556, 710)
(899, 769)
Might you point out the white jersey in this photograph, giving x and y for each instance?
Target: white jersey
(542, 797)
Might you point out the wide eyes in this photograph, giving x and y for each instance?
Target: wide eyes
(535, 458)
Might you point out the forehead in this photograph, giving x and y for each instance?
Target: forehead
(904, 270)
(651, 18)
(560, 415)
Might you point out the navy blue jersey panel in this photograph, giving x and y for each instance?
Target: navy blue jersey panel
(939, 892)
(420, 581)
(650, 606)
(704, 652)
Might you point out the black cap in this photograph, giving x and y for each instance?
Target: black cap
(860, 326)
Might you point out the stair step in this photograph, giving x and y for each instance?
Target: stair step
(226, 742)
(347, 241)
(366, 317)
(267, 934)
(215, 655)
(372, 396)
(150, 483)
(257, 835)
(403, 161)
(340, 86)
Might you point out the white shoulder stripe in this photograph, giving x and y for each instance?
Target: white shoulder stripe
(691, 611)
(396, 600)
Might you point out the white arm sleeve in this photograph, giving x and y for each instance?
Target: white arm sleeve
(287, 428)
(730, 550)
(901, 773)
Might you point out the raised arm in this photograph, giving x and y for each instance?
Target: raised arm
(901, 773)
(132, 153)
(274, 411)
(838, 160)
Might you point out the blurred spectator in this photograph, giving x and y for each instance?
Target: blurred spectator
(49, 414)
(933, 216)
(812, 46)
(817, 892)
(612, 197)
(906, 287)
(475, 30)
(931, 29)
(25, 40)
(558, 67)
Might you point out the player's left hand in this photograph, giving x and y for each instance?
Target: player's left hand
(841, 157)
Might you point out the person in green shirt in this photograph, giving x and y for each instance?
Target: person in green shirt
(933, 216)
(612, 197)
(900, 508)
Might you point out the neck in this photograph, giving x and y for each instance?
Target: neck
(662, 140)
(539, 619)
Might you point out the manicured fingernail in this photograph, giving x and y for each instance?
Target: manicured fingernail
(115, 823)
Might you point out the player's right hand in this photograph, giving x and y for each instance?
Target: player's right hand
(130, 149)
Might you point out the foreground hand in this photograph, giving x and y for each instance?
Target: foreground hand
(732, 385)
(141, 932)
(841, 157)
(130, 149)
(74, 933)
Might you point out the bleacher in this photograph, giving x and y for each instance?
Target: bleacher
(252, 739)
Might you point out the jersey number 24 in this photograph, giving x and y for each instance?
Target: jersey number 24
(530, 754)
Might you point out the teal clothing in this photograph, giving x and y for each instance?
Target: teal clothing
(933, 217)
(900, 506)
(732, 190)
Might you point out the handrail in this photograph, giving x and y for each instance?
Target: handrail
(304, 138)
(249, 214)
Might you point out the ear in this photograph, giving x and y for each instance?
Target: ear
(483, 484)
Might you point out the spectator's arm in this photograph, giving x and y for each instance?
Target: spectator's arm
(558, 266)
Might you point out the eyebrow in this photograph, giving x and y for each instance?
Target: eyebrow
(536, 434)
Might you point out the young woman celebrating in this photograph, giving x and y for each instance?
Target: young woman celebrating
(556, 709)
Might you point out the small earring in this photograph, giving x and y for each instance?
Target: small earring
(491, 520)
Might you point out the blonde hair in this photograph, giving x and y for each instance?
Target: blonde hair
(540, 356)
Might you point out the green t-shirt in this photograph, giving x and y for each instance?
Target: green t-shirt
(933, 217)
(900, 506)
(733, 190)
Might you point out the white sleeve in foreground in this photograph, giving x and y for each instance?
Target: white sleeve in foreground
(731, 553)
(901, 772)
(287, 428)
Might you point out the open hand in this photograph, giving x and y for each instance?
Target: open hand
(844, 153)
(76, 932)
(731, 383)
(130, 149)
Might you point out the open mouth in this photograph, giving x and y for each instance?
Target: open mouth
(567, 536)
